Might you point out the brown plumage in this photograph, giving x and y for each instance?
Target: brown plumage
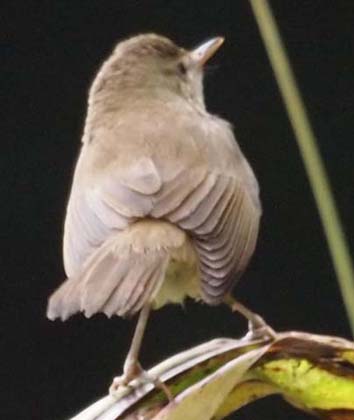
(163, 203)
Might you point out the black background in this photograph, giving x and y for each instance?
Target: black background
(50, 51)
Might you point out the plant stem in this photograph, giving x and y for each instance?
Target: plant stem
(310, 154)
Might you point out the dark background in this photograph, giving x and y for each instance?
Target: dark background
(50, 52)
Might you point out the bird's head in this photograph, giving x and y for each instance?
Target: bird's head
(153, 65)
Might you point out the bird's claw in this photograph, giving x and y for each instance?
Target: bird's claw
(258, 329)
(118, 383)
(137, 372)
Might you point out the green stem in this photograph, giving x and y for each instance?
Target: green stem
(309, 151)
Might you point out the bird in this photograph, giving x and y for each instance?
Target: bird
(163, 203)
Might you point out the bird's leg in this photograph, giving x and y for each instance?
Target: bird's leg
(132, 368)
(258, 328)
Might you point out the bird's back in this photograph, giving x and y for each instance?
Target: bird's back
(193, 176)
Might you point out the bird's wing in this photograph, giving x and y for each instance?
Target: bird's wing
(214, 198)
(223, 220)
(109, 203)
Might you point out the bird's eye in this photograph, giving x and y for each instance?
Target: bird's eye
(182, 68)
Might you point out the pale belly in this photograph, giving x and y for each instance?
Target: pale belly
(182, 278)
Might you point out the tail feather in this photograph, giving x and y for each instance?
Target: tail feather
(122, 301)
(123, 274)
(63, 303)
(136, 299)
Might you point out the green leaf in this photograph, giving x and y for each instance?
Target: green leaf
(313, 373)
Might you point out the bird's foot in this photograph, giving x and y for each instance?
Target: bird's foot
(258, 328)
(130, 372)
(135, 371)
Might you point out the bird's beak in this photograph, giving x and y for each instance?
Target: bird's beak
(200, 55)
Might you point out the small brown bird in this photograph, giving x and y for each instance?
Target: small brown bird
(163, 204)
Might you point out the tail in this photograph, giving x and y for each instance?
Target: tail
(122, 275)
